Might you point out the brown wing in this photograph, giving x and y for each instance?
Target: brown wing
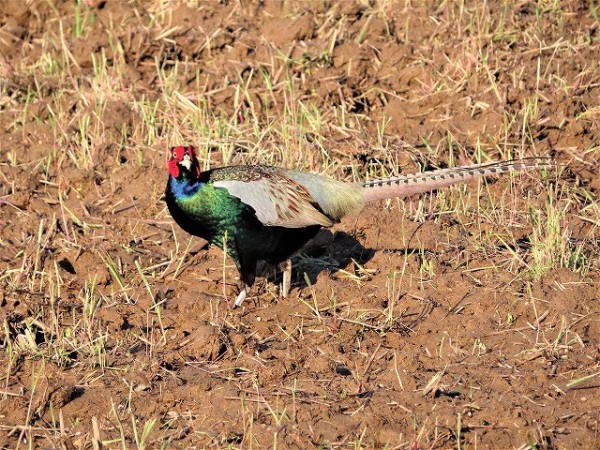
(276, 199)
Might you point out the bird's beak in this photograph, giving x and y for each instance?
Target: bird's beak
(186, 162)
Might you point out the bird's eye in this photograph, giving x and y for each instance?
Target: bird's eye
(174, 155)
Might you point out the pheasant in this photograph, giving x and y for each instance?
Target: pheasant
(268, 213)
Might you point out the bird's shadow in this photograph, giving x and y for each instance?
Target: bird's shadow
(325, 252)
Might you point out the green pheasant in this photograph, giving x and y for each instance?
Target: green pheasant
(268, 213)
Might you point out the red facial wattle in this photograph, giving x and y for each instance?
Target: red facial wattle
(177, 155)
(173, 168)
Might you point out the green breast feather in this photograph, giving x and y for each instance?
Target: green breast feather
(216, 212)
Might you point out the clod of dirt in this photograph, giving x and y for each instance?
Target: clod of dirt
(64, 395)
(139, 382)
(10, 34)
(47, 393)
(281, 30)
(89, 265)
(203, 344)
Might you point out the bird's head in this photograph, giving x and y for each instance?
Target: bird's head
(183, 162)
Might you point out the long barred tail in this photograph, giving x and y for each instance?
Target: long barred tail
(406, 185)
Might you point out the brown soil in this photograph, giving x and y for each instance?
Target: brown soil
(479, 353)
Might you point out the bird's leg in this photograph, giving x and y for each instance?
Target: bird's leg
(247, 270)
(241, 296)
(286, 268)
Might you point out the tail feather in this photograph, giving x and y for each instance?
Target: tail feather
(406, 185)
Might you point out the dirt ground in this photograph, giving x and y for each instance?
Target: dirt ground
(467, 318)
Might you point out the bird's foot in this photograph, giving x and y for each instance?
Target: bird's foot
(241, 297)
(286, 268)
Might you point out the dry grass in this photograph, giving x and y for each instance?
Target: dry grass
(472, 323)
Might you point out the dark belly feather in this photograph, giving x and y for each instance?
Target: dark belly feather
(248, 240)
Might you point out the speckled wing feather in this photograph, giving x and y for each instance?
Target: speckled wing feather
(335, 198)
(276, 199)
